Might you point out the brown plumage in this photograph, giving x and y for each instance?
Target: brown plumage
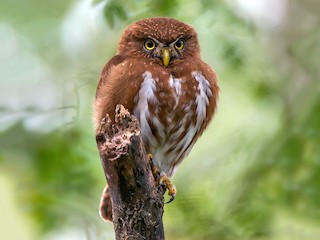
(158, 75)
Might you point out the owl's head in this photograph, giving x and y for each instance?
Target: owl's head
(164, 40)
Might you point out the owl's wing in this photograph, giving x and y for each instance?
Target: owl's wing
(102, 99)
(104, 76)
(210, 75)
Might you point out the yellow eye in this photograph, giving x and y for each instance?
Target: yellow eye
(149, 44)
(179, 45)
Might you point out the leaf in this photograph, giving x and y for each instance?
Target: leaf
(114, 10)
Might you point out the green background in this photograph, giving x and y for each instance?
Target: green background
(254, 174)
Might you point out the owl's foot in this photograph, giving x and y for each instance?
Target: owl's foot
(105, 208)
(163, 179)
(154, 169)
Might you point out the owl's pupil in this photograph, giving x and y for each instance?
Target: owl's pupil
(150, 44)
(179, 44)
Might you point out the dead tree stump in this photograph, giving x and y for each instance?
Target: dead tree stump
(137, 200)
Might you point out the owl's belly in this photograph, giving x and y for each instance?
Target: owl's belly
(171, 116)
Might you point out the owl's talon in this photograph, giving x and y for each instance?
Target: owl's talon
(171, 199)
(154, 169)
(164, 180)
(150, 159)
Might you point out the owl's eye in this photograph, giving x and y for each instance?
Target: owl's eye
(149, 44)
(179, 45)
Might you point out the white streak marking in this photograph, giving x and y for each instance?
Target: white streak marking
(186, 140)
(159, 126)
(202, 101)
(145, 96)
(175, 83)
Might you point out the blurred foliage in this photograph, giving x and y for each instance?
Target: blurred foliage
(253, 175)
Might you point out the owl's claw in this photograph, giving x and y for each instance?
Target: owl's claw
(163, 179)
(171, 199)
(154, 169)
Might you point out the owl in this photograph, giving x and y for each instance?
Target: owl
(158, 75)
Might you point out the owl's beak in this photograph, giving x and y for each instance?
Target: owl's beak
(166, 56)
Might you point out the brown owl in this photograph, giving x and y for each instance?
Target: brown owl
(158, 75)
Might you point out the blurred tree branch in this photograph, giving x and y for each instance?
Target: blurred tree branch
(137, 201)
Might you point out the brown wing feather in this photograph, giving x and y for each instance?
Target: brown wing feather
(106, 71)
(101, 99)
(119, 83)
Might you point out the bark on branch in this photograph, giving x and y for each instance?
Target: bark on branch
(137, 200)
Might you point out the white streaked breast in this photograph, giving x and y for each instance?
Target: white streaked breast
(145, 96)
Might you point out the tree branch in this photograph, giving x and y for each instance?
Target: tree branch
(137, 200)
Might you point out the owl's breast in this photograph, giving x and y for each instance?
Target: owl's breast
(172, 111)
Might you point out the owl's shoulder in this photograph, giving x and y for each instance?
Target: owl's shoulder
(115, 61)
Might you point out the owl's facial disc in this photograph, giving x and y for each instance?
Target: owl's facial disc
(165, 53)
